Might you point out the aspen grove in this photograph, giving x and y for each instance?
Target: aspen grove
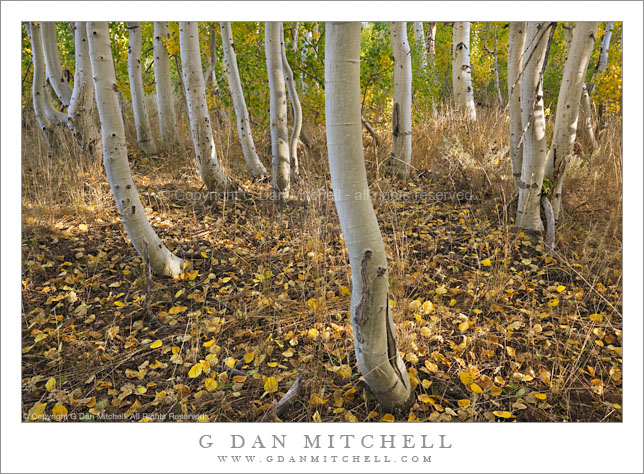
(322, 221)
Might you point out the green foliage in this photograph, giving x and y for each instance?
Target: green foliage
(431, 81)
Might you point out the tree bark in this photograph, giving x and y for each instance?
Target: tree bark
(39, 89)
(212, 59)
(163, 85)
(279, 130)
(162, 261)
(373, 327)
(81, 111)
(534, 128)
(419, 38)
(462, 70)
(515, 63)
(253, 162)
(602, 61)
(55, 116)
(570, 92)
(57, 77)
(202, 138)
(431, 40)
(401, 116)
(296, 107)
(141, 120)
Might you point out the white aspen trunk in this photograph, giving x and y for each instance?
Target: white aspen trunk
(570, 92)
(373, 326)
(39, 90)
(279, 129)
(534, 126)
(163, 86)
(586, 112)
(202, 138)
(81, 110)
(253, 162)
(132, 212)
(419, 37)
(515, 63)
(210, 71)
(294, 27)
(431, 40)
(141, 120)
(602, 62)
(295, 106)
(401, 116)
(55, 74)
(462, 70)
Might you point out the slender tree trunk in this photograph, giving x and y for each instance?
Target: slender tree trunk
(419, 38)
(401, 116)
(534, 126)
(81, 111)
(39, 89)
(373, 327)
(495, 55)
(202, 138)
(57, 77)
(602, 61)
(431, 40)
(163, 85)
(253, 162)
(279, 130)
(132, 212)
(462, 70)
(212, 59)
(568, 102)
(515, 63)
(294, 27)
(295, 106)
(141, 120)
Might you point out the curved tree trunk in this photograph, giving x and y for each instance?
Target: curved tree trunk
(81, 110)
(401, 116)
(568, 103)
(253, 162)
(55, 116)
(132, 212)
(141, 120)
(462, 70)
(163, 86)
(57, 77)
(294, 28)
(295, 106)
(373, 327)
(515, 54)
(211, 173)
(39, 89)
(279, 130)
(534, 126)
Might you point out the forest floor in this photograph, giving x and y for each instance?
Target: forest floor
(490, 326)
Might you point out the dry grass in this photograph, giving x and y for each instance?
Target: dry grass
(288, 265)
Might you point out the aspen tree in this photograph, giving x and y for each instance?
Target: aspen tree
(253, 162)
(202, 138)
(163, 87)
(462, 70)
(143, 237)
(373, 327)
(401, 116)
(279, 130)
(141, 120)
